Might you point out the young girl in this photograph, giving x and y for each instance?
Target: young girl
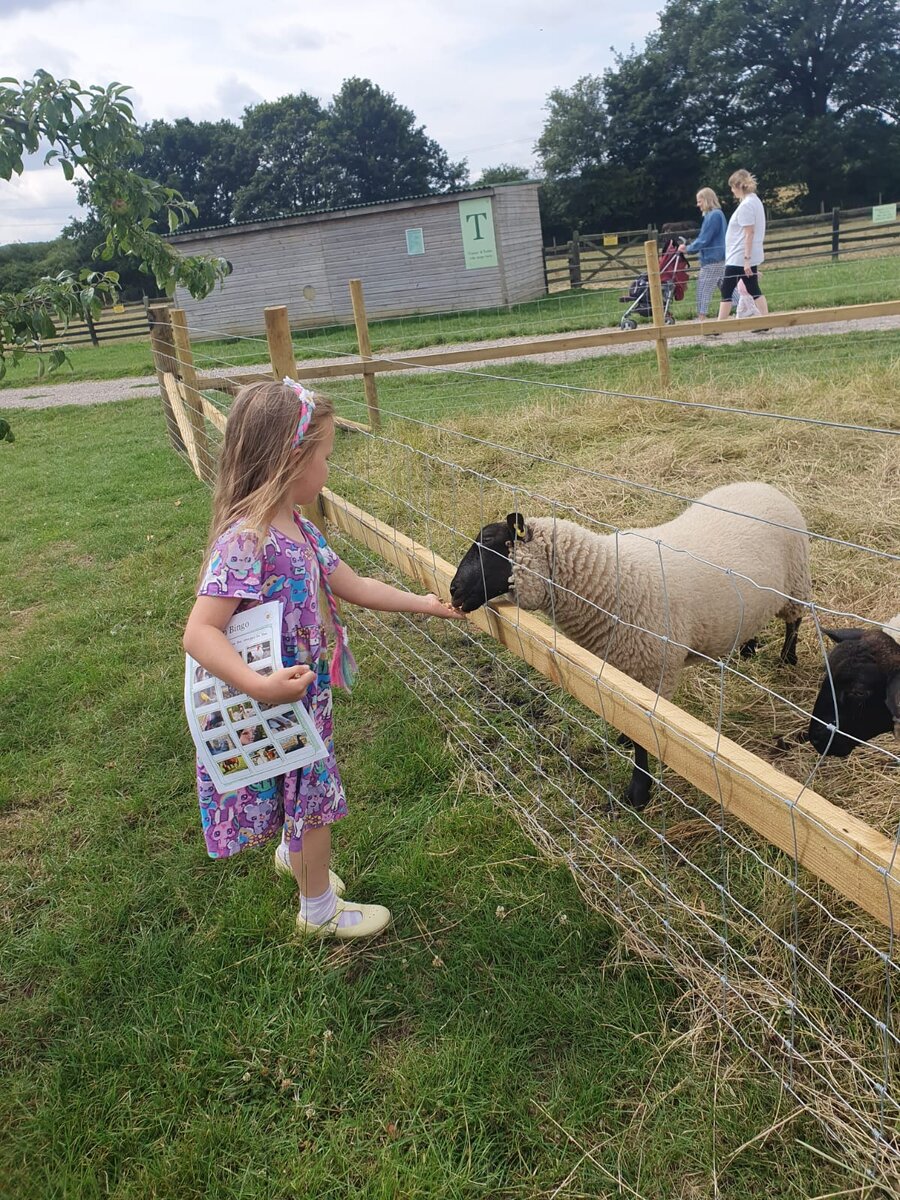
(275, 459)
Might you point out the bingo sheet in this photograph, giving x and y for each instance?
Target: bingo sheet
(240, 740)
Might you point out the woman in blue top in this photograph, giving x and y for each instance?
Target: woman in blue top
(710, 242)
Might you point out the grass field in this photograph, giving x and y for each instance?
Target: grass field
(823, 284)
(544, 440)
(163, 1034)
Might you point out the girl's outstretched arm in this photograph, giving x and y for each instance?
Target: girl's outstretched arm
(205, 640)
(372, 593)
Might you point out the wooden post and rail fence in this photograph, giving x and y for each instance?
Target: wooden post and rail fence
(846, 853)
(614, 258)
(657, 333)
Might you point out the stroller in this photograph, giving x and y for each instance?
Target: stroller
(673, 274)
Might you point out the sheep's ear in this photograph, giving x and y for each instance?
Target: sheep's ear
(518, 530)
(843, 635)
(892, 699)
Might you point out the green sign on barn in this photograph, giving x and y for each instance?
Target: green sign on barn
(476, 219)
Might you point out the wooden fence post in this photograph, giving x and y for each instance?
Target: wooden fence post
(365, 351)
(835, 234)
(189, 392)
(281, 347)
(575, 261)
(656, 304)
(284, 365)
(162, 347)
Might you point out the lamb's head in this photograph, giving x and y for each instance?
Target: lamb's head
(486, 569)
(860, 694)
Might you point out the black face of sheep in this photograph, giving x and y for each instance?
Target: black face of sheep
(864, 677)
(485, 568)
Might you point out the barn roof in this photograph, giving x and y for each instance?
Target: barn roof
(310, 215)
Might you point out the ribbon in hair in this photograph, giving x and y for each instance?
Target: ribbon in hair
(343, 665)
(307, 408)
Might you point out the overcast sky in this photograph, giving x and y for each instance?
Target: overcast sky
(476, 73)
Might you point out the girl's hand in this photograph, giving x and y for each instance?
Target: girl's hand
(285, 686)
(437, 608)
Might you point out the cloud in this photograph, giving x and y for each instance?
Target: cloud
(35, 205)
(294, 37)
(32, 53)
(9, 7)
(476, 76)
(233, 95)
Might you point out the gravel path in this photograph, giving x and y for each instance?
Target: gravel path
(106, 391)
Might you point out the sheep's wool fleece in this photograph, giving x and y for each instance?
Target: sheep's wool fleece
(659, 581)
(892, 629)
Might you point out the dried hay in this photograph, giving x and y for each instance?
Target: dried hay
(798, 975)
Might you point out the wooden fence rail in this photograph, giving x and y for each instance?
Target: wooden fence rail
(130, 321)
(552, 343)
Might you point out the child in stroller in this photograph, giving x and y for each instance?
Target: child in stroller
(673, 274)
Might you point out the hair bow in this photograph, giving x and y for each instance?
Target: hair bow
(307, 408)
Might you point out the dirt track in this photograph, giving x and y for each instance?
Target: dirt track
(44, 395)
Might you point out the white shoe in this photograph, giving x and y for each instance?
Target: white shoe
(283, 864)
(375, 919)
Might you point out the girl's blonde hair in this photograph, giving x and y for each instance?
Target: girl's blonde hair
(708, 200)
(259, 462)
(743, 181)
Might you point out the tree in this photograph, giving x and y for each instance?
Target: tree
(778, 85)
(375, 151)
(502, 173)
(287, 138)
(23, 264)
(574, 136)
(652, 116)
(817, 65)
(210, 161)
(803, 92)
(90, 131)
(584, 188)
(78, 241)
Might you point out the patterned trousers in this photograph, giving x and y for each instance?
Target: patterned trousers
(708, 281)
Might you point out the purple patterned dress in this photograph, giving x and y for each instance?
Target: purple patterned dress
(287, 570)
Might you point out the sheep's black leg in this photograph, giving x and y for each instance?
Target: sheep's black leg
(749, 648)
(789, 649)
(637, 794)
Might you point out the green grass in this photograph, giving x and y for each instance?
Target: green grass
(711, 372)
(822, 284)
(165, 1036)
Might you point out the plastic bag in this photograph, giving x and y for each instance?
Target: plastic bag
(746, 305)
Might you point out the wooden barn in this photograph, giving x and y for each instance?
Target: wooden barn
(465, 250)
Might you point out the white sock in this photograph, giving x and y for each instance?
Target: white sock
(318, 910)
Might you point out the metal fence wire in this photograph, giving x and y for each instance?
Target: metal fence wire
(791, 965)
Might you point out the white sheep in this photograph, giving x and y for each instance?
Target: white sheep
(650, 600)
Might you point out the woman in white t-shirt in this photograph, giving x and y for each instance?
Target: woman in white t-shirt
(744, 243)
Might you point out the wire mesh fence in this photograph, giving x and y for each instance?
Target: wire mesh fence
(771, 883)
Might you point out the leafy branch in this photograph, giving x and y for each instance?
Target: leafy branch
(90, 131)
